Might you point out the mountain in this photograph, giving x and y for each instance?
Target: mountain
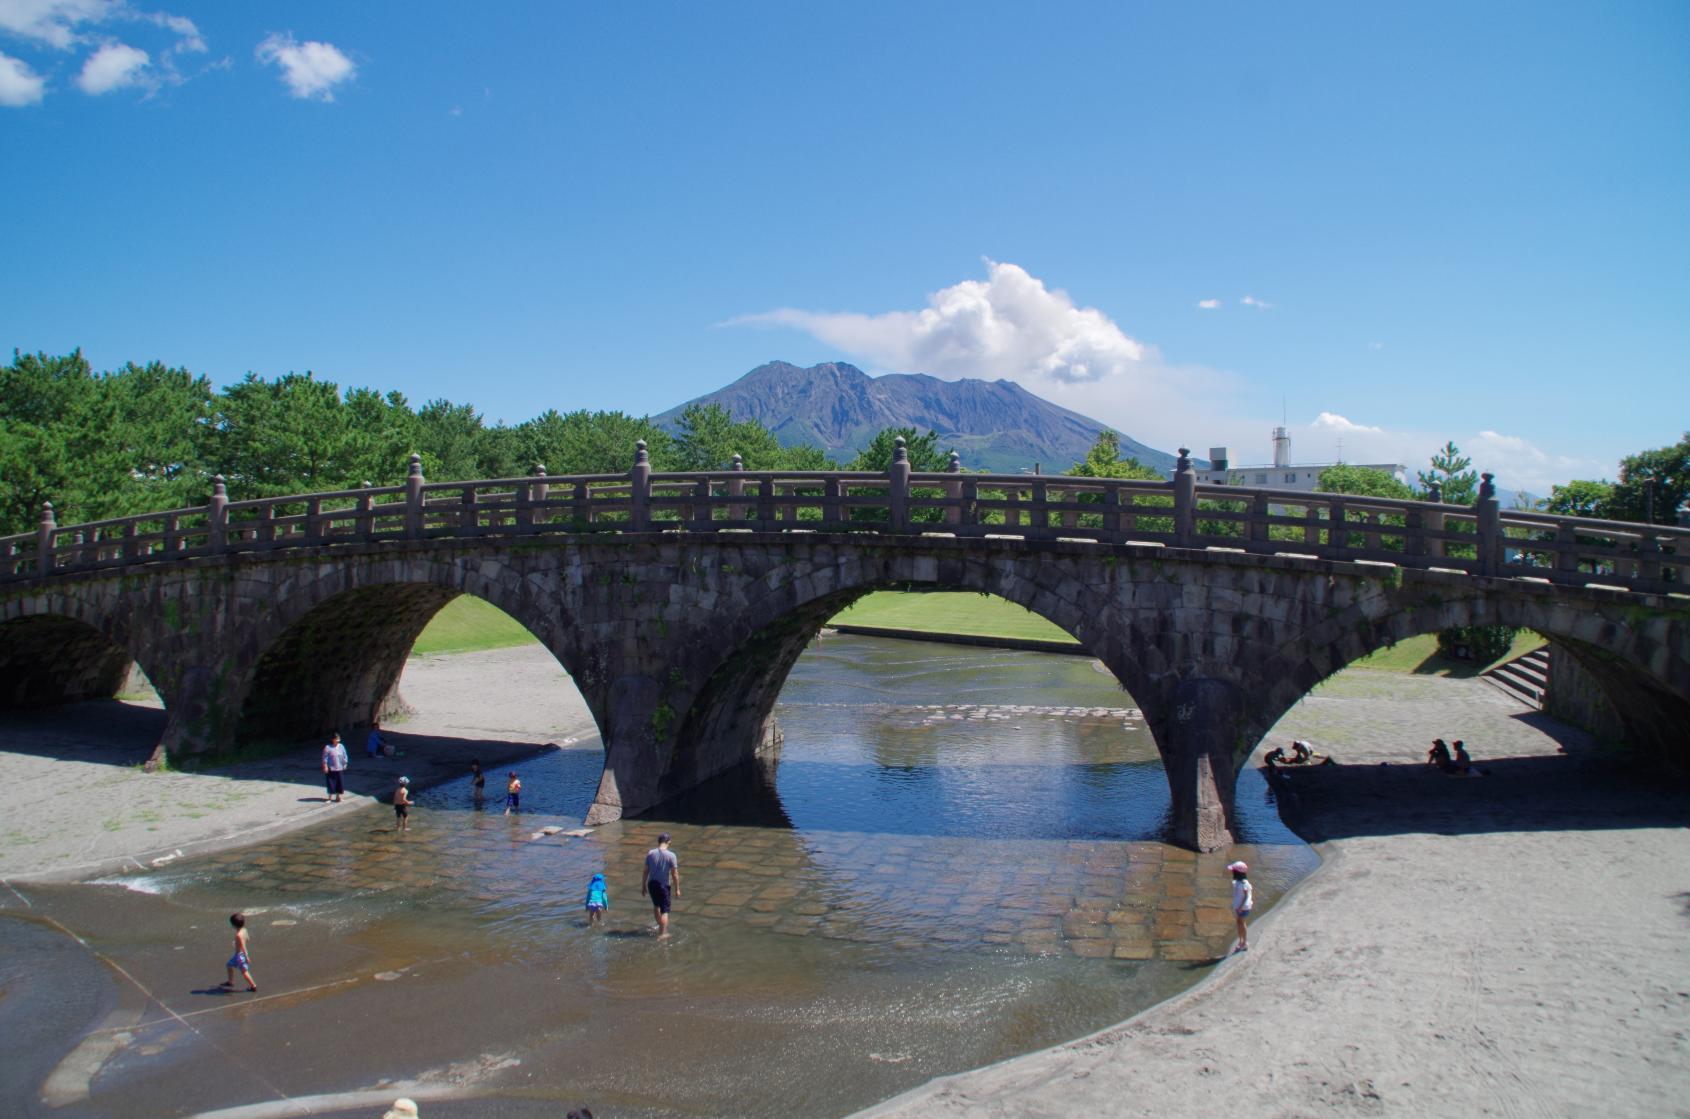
(995, 425)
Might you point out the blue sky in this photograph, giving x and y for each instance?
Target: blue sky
(1457, 221)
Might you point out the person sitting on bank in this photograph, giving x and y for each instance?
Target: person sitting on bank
(1438, 755)
(1304, 752)
(1463, 763)
(1276, 756)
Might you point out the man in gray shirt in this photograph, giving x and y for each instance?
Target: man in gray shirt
(662, 880)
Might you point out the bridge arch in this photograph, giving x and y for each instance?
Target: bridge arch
(61, 650)
(722, 709)
(328, 650)
(1629, 652)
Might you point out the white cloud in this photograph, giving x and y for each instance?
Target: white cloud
(190, 40)
(1376, 345)
(19, 85)
(1009, 325)
(311, 70)
(52, 22)
(1331, 421)
(1209, 304)
(1258, 304)
(113, 66)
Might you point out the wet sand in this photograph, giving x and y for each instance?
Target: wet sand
(1513, 945)
(76, 804)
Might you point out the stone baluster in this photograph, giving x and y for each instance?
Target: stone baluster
(639, 490)
(833, 501)
(953, 491)
(766, 511)
(1258, 531)
(469, 509)
(1114, 496)
(1566, 551)
(703, 513)
(1488, 511)
(1433, 522)
(1185, 500)
(414, 499)
(899, 489)
(44, 539)
(1337, 529)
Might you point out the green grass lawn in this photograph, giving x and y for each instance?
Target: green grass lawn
(950, 612)
(1419, 655)
(468, 624)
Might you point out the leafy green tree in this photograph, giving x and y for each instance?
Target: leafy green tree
(1363, 481)
(1580, 499)
(1453, 471)
(583, 442)
(806, 457)
(283, 436)
(48, 421)
(451, 439)
(923, 451)
(381, 434)
(1104, 460)
(1668, 468)
(98, 445)
(709, 437)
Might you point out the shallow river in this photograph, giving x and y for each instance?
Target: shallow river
(955, 861)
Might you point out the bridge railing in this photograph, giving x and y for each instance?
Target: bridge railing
(1482, 539)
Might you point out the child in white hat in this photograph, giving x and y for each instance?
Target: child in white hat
(1243, 900)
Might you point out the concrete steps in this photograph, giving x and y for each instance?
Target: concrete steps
(1525, 678)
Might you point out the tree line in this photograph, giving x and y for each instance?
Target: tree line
(143, 438)
(147, 437)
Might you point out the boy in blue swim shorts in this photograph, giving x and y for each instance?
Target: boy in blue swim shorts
(238, 962)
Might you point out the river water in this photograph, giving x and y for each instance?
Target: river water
(955, 861)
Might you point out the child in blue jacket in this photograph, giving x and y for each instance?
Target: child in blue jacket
(597, 899)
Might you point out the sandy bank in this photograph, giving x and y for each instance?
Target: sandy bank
(76, 804)
(1511, 945)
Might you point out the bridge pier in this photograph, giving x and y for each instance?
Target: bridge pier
(1199, 731)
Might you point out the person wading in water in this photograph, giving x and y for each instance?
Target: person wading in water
(662, 881)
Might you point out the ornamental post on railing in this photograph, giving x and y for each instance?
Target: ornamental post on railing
(899, 491)
(537, 494)
(365, 522)
(217, 514)
(1185, 500)
(1488, 511)
(736, 488)
(953, 491)
(44, 539)
(414, 499)
(639, 493)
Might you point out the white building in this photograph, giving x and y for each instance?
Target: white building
(1282, 473)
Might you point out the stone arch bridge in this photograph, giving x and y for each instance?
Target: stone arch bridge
(679, 602)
